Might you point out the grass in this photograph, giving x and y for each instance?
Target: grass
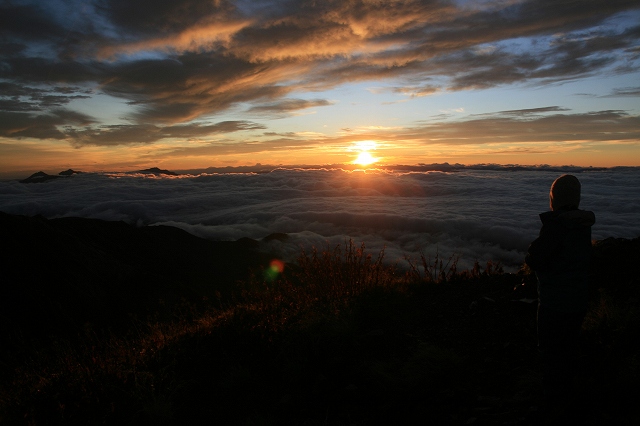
(339, 337)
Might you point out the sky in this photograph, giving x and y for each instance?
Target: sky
(117, 85)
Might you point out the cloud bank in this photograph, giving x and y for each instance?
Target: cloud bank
(478, 213)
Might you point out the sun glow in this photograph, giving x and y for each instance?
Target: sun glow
(364, 157)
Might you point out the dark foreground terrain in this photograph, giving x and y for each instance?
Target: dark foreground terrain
(105, 323)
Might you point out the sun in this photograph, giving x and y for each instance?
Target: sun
(364, 156)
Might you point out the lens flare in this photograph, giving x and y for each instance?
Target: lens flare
(276, 267)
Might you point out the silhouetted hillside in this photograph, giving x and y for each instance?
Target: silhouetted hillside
(58, 274)
(338, 338)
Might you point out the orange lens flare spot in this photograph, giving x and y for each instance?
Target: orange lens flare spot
(276, 266)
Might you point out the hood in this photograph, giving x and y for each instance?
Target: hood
(565, 193)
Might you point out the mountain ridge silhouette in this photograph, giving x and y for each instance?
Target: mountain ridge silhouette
(59, 274)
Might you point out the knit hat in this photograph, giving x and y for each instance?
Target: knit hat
(565, 193)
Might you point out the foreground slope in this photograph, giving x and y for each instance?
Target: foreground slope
(337, 339)
(59, 274)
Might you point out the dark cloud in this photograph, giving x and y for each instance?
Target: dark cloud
(526, 111)
(15, 97)
(286, 106)
(192, 85)
(563, 59)
(34, 70)
(9, 49)
(40, 126)
(417, 91)
(285, 134)
(625, 92)
(248, 146)
(28, 22)
(530, 125)
(55, 30)
(15, 105)
(150, 17)
(149, 133)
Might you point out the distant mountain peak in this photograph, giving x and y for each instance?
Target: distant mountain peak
(39, 177)
(69, 172)
(157, 171)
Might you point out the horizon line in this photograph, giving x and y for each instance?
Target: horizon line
(265, 168)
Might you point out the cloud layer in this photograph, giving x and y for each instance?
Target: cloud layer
(475, 212)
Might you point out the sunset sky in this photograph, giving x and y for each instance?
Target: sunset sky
(114, 85)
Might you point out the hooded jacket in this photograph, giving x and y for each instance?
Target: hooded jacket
(560, 257)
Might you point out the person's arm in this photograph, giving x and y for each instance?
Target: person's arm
(543, 248)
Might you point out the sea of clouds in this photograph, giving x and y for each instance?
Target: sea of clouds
(474, 212)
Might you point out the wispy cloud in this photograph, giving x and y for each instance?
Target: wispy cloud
(633, 92)
(546, 124)
(286, 106)
(40, 126)
(149, 133)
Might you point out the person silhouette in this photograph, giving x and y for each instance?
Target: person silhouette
(560, 258)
